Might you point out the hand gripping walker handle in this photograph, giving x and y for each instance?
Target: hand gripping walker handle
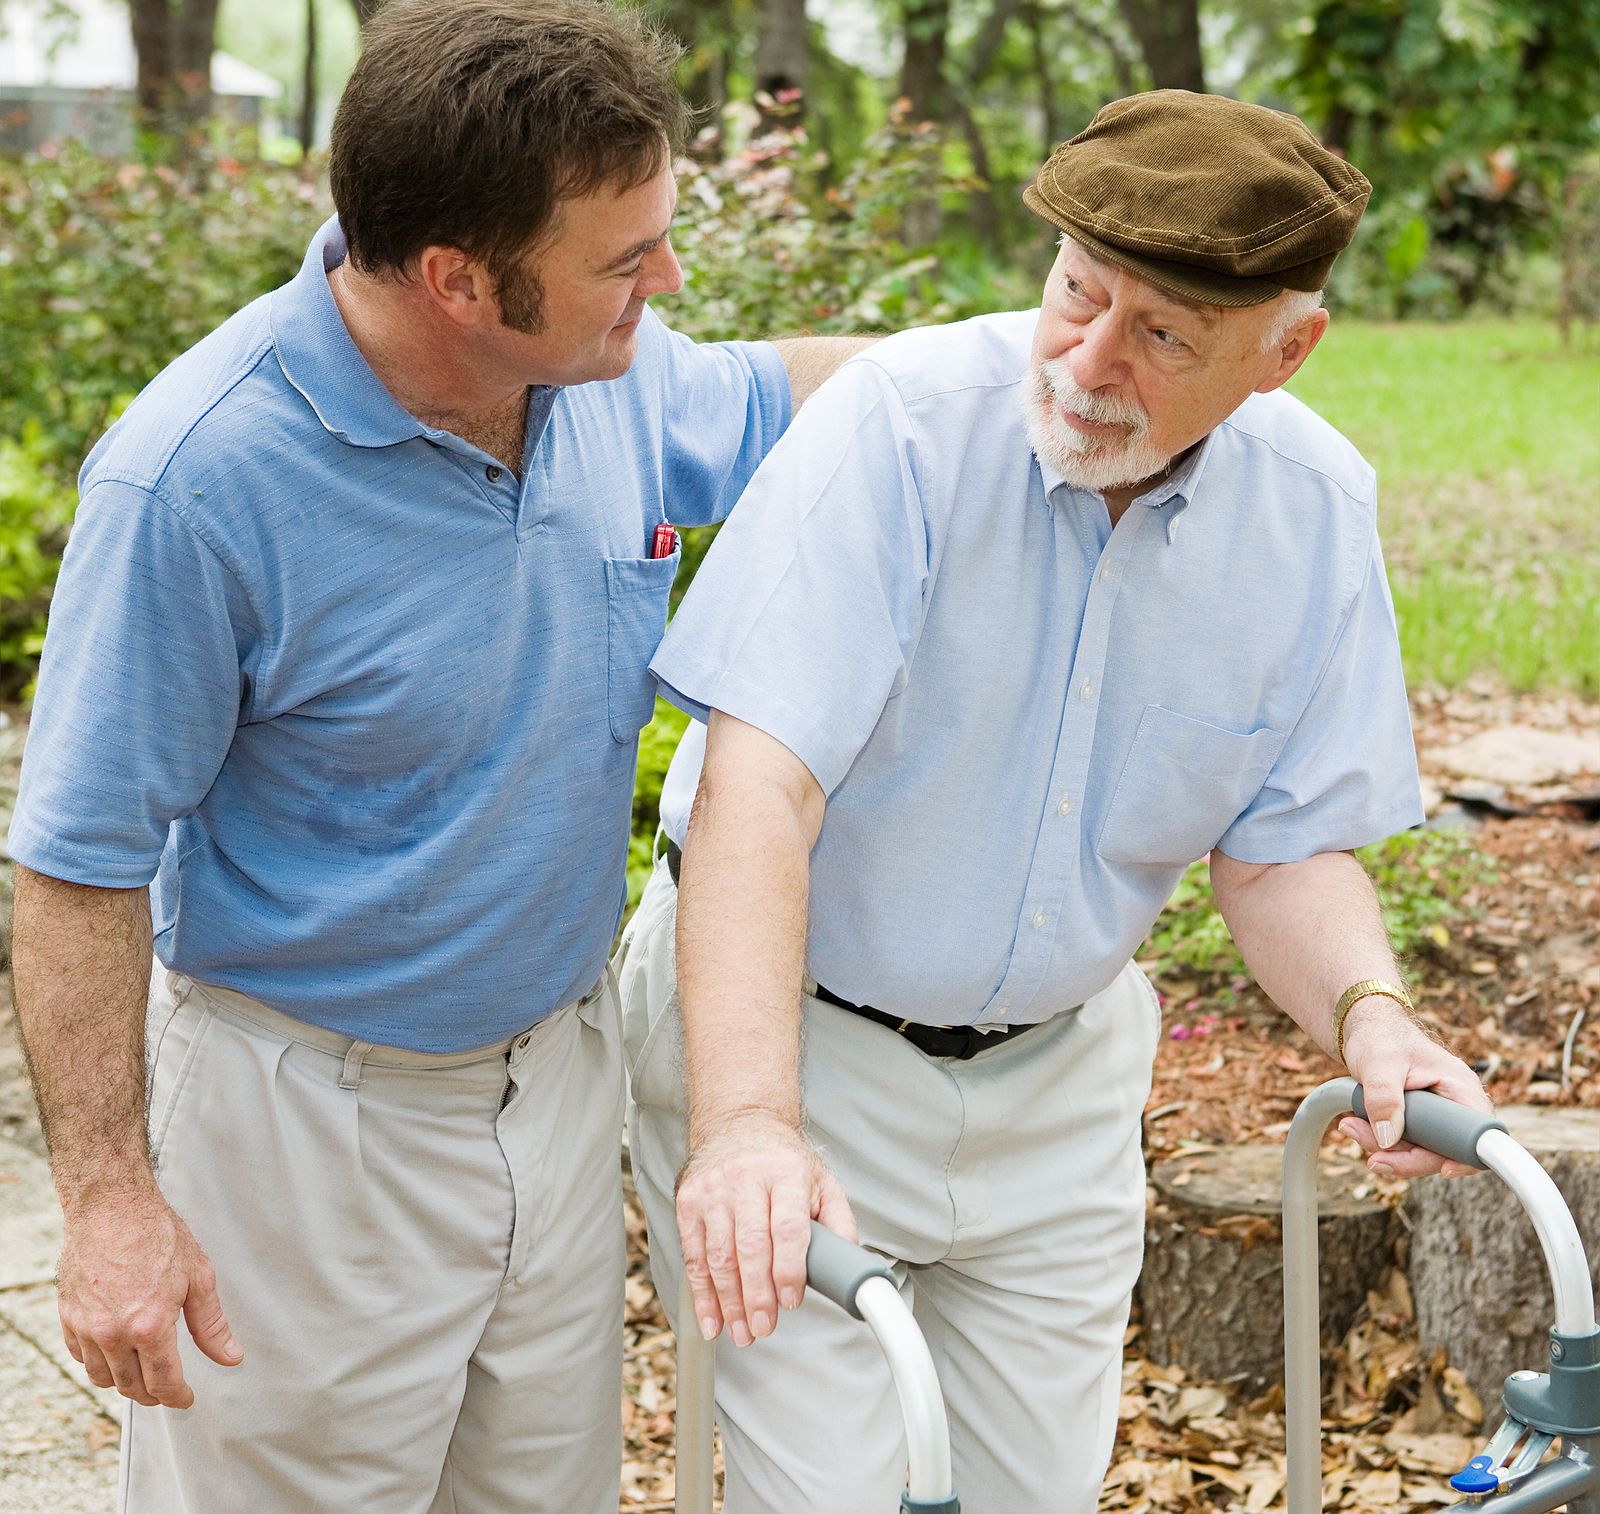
(837, 1269)
(863, 1285)
(1439, 1125)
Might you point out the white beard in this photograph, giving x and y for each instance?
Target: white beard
(1086, 462)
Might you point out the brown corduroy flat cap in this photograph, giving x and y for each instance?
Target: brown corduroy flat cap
(1208, 198)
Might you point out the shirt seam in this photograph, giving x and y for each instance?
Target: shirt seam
(156, 479)
(1364, 499)
(160, 497)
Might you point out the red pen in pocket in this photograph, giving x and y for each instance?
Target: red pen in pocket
(665, 542)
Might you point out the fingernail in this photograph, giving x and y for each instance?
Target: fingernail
(789, 1298)
(708, 1328)
(1384, 1131)
(1383, 1169)
(761, 1323)
(233, 1348)
(741, 1333)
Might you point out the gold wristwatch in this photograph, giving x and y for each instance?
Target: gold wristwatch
(1366, 988)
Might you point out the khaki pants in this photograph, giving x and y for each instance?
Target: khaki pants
(422, 1257)
(1009, 1192)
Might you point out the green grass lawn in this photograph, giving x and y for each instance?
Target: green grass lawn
(1486, 437)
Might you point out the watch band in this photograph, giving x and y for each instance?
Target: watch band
(1366, 988)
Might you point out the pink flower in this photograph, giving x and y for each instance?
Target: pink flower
(1181, 1032)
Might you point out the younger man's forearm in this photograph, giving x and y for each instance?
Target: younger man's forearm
(82, 973)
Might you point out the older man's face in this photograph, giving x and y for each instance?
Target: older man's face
(1125, 377)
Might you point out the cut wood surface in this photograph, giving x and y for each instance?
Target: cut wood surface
(1211, 1296)
(1478, 1275)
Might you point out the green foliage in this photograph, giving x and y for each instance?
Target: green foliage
(1466, 115)
(35, 511)
(770, 246)
(107, 272)
(1423, 879)
(112, 269)
(1484, 438)
(657, 742)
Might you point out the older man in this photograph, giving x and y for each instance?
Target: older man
(349, 655)
(1028, 614)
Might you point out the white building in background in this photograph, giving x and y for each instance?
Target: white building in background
(67, 70)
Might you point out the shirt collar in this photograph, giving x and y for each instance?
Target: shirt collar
(1178, 488)
(319, 357)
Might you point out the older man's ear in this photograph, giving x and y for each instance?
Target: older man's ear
(1293, 350)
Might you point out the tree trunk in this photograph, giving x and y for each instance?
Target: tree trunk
(1477, 1272)
(1211, 1294)
(922, 82)
(308, 82)
(782, 56)
(152, 47)
(1041, 72)
(173, 47)
(194, 40)
(1168, 34)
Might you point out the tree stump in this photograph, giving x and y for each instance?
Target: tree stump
(1211, 1295)
(1477, 1272)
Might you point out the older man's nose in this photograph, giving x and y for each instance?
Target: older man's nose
(1097, 360)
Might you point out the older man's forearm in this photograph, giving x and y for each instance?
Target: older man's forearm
(1307, 930)
(742, 929)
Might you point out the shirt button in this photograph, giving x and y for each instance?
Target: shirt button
(1064, 808)
(1086, 692)
(1105, 575)
(1038, 920)
(492, 474)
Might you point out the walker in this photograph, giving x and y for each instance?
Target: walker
(1541, 1408)
(862, 1284)
(1510, 1476)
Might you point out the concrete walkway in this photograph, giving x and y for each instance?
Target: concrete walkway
(58, 1432)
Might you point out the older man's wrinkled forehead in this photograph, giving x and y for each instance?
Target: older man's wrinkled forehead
(1211, 315)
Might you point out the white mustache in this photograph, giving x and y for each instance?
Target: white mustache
(1104, 409)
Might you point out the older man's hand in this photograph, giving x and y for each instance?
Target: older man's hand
(1388, 1053)
(746, 1199)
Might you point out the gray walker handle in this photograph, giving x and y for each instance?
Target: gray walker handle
(1477, 1140)
(1438, 1124)
(863, 1285)
(836, 1269)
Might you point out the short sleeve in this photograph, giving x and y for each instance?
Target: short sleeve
(139, 692)
(803, 618)
(724, 404)
(1347, 774)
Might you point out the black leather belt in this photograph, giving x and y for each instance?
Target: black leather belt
(957, 1042)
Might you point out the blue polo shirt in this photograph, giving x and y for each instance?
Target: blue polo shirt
(1028, 723)
(362, 705)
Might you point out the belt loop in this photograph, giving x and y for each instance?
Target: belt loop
(179, 986)
(351, 1076)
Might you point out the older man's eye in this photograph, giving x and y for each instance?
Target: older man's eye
(1167, 338)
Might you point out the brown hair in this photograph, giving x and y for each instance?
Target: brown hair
(467, 122)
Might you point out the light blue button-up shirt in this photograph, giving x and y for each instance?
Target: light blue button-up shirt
(361, 703)
(1027, 723)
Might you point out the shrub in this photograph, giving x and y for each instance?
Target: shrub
(107, 272)
(1423, 880)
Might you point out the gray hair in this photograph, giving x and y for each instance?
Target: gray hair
(1288, 310)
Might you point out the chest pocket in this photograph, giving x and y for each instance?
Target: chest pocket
(637, 589)
(1184, 783)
